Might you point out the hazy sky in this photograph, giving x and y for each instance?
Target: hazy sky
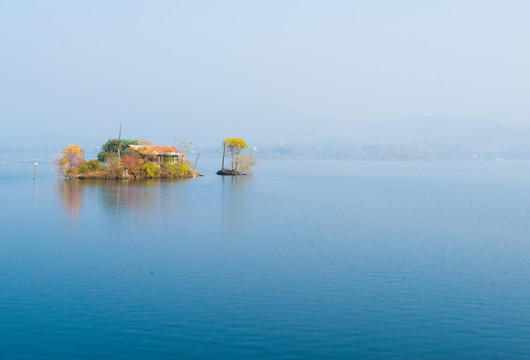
(165, 67)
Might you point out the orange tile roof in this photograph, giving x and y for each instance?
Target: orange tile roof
(163, 149)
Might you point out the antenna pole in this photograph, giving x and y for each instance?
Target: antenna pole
(35, 171)
(119, 143)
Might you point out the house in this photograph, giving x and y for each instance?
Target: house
(157, 154)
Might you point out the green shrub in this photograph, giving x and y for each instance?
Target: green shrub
(105, 156)
(174, 170)
(112, 145)
(112, 162)
(149, 170)
(169, 169)
(89, 166)
(183, 169)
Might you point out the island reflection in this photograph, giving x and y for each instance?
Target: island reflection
(173, 203)
(143, 200)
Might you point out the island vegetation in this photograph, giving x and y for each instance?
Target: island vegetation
(125, 159)
(241, 163)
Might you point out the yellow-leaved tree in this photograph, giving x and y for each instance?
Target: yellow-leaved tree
(234, 147)
(69, 161)
(240, 163)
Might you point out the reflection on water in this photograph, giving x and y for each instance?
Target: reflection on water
(36, 191)
(153, 200)
(235, 192)
(124, 195)
(145, 199)
(71, 196)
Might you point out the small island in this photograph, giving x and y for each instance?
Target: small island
(242, 164)
(125, 159)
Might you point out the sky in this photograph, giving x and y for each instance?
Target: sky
(205, 70)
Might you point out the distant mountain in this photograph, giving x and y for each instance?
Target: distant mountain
(411, 138)
(278, 130)
(456, 131)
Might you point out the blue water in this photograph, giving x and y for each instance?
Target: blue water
(305, 259)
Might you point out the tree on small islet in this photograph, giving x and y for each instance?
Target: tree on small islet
(234, 146)
(69, 161)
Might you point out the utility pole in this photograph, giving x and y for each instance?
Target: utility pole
(35, 171)
(119, 143)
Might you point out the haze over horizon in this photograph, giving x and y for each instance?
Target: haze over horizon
(274, 71)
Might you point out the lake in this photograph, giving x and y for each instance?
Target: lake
(304, 259)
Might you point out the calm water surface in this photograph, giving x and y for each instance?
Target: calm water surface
(302, 260)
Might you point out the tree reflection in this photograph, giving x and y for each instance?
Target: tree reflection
(71, 194)
(235, 192)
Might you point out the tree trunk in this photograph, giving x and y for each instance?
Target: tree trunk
(224, 150)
